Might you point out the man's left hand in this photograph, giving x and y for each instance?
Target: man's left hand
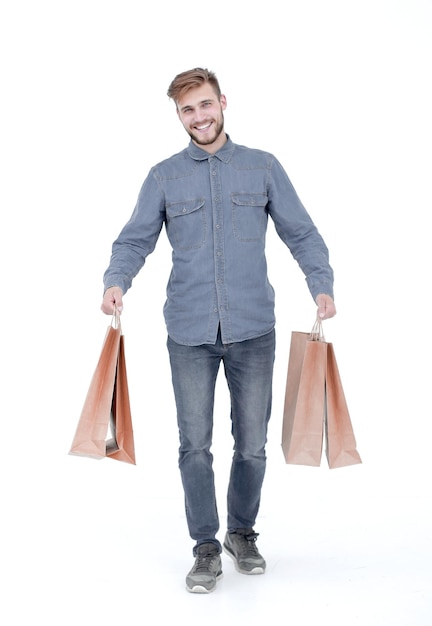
(326, 306)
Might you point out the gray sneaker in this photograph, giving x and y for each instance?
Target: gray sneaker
(241, 547)
(206, 571)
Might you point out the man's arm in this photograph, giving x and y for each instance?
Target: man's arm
(135, 242)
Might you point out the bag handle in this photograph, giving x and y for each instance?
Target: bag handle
(115, 320)
(317, 333)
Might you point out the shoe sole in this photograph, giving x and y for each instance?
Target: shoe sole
(201, 588)
(252, 572)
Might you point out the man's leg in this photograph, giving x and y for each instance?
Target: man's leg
(249, 372)
(194, 371)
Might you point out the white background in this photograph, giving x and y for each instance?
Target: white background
(340, 92)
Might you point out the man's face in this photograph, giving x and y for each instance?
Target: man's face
(201, 113)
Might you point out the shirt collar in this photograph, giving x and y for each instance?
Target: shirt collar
(224, 154)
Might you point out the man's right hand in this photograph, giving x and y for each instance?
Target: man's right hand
(112, 297)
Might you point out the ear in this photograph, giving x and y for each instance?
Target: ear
(223, 102)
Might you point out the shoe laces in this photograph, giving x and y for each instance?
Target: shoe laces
(203, 561)
(248, 546)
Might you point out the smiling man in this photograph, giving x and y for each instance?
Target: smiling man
(214, 199)
(201, 113)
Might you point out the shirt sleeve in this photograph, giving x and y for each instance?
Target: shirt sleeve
(297, 230)
(138, 237)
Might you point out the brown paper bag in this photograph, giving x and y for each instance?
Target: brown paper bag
(315, 407)
(107, 404)
(341, 447)
(303, 419)
(122, 446)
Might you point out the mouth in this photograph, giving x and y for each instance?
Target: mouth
(203, 127)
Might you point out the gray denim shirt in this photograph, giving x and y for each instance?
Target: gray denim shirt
(215, 209)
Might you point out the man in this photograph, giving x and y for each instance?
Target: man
(214, 199)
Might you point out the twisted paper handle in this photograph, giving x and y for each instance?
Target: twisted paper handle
(115, 321)
(317, 333)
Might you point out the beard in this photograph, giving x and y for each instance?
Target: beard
(208, 140)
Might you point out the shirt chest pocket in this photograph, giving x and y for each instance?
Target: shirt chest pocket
(249, 216)
(186, 224)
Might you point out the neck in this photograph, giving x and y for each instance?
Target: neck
(212, 148)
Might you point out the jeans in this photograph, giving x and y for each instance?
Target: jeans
(248, 369)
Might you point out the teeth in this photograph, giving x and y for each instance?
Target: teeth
(203, 127)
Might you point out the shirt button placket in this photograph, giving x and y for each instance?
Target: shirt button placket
(218, 235)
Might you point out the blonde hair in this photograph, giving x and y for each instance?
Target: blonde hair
(191, 79)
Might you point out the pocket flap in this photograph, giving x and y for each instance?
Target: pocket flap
(250, 199)
(184, 208)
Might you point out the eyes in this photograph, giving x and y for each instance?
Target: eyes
(203, 105)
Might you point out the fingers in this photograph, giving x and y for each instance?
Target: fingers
(326, 307)
(113, 297)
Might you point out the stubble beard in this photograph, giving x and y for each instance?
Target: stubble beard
(207, 142)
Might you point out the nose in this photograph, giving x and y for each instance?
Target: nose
(199, 116)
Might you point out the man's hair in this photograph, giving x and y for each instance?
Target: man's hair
(191, 79)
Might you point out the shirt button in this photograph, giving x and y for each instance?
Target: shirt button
(184, 210)
(217, 225)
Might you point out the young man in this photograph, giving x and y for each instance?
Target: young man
(214, 199)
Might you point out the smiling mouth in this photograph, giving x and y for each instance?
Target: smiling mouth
(203, 128)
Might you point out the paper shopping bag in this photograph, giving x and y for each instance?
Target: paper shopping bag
(315, 407)
(121, 446)
(304, 408)
(107, 404)
(341, 447)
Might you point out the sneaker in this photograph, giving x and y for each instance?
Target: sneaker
(206, 571)
(241, 547)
